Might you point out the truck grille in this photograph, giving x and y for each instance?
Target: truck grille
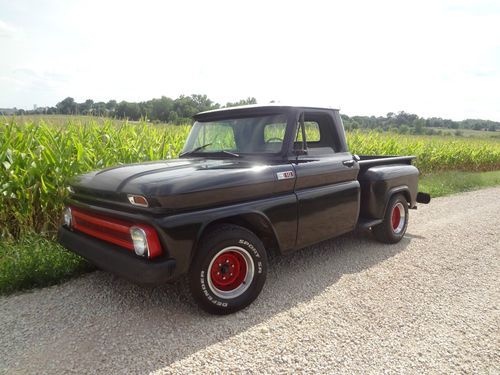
(104, 228)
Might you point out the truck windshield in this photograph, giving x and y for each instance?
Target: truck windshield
(248, 135)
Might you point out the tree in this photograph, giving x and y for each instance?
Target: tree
(128, 110)
(247, 101)
(161, 108)
(99, 109)
(111, 105)
(86, 108)
(405, 118)
(67, 106)
(202, 102)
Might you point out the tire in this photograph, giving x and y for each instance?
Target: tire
(213, 286)
(393, 228)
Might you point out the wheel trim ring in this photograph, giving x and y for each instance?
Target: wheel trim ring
(398, 217)
(228, 270)
(247, 269)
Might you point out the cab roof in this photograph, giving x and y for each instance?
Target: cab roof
(254, 109)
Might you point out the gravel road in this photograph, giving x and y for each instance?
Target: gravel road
(428, 304)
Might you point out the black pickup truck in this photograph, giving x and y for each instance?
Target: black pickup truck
(250, 180)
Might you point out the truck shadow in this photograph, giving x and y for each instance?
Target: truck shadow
(119, 327)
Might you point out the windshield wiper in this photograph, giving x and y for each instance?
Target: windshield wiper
(227, 153)
(195, 149)
(224, 152)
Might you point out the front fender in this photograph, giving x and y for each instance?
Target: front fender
(276, 216)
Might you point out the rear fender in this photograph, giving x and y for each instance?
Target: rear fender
(398, 190)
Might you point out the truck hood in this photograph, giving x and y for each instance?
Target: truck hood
(182, 183)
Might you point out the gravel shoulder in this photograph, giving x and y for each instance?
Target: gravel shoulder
(351, 305)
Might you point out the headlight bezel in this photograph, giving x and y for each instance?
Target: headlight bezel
(140, 241)
(68, 218)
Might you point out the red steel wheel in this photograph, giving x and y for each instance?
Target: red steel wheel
(230, 272)
(398, 218)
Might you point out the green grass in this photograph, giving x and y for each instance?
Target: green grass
(446, 183)
(35, 261)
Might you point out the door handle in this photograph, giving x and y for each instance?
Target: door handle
(348, 163)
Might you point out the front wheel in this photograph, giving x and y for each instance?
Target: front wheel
(393, 228)
(229, 270)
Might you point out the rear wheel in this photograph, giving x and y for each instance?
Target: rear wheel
(229, 271)
(393, 228)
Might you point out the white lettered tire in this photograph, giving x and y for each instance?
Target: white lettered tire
(229, 270)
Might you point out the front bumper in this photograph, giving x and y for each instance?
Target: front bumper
(117, 260)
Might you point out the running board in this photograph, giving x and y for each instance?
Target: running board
(367, 224)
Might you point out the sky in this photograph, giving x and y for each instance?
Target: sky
(434, 58)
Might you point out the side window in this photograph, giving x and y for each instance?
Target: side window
(312, 132)
(317, 129)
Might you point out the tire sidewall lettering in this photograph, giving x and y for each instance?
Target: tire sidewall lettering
(250, 246)
(208, 295)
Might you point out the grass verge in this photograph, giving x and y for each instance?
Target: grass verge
(35, 261)
(446, 183)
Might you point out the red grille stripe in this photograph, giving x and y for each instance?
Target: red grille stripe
(114, 230)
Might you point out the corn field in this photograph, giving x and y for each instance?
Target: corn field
(434, 153)
(38, 158)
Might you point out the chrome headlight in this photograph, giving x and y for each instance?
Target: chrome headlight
(68, 217)
(140, 240)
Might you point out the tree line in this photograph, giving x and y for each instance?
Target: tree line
(164, 109)
(181, 109)
(403, 122)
